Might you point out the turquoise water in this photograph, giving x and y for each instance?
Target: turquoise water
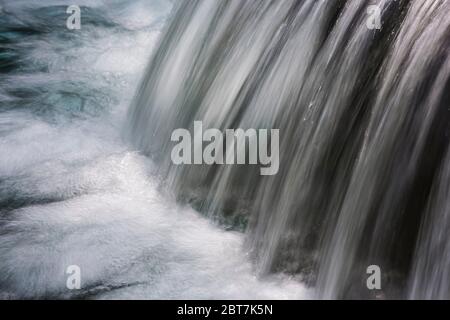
(72, 192)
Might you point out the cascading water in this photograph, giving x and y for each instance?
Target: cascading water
(72, 193)
(364, 134)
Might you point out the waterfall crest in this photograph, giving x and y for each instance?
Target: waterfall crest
(364, 134)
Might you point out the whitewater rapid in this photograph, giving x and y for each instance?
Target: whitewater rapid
(72, 192)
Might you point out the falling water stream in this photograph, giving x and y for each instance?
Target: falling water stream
(72, 192)
(364, 124)
(86, 176)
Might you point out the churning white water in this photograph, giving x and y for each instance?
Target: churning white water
(73, 193)
(364, 124)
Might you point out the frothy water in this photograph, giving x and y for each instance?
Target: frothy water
(363, 115)
(73, 193)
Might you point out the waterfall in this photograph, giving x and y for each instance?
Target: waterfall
(364, 127)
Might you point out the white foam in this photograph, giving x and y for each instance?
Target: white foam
(106, 214)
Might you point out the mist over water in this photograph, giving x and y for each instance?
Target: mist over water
(72, 192)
